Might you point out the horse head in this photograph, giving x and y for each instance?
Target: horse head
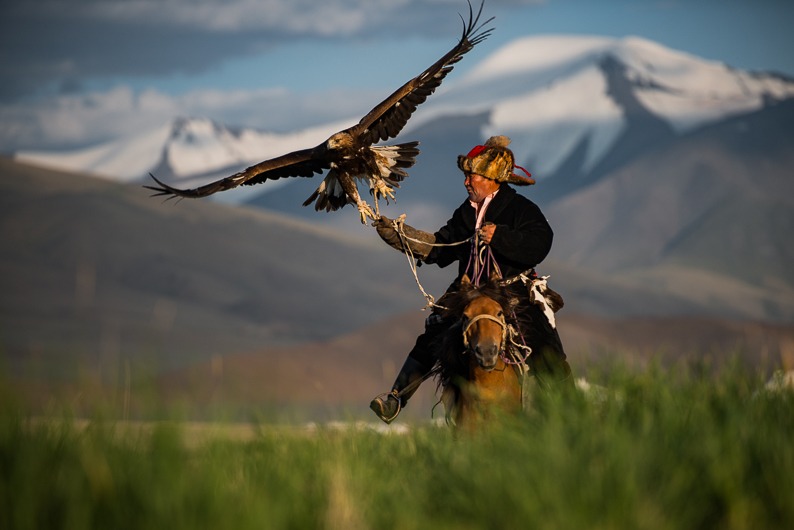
(474, 370)
(484, 327)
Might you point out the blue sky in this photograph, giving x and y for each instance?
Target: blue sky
(73, 68)
(755, 35)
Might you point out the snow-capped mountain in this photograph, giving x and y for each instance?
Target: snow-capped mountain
(667, 175)
(558, 77)
(556, 97)
(648, 178)
(559, 97)
(182, 149)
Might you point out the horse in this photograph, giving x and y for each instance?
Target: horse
(480, 367)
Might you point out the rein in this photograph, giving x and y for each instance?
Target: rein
(482, 256)
(482, 261)
(509, 334)
(397, 224)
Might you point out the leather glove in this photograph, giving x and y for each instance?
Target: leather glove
(418, 241)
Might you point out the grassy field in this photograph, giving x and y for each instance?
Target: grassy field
(660, 450)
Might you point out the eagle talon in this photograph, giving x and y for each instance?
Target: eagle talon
(364, 211)
(381, 189)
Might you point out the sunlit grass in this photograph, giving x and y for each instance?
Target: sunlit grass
(661, 450)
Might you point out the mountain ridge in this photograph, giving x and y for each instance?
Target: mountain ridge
(91, 258)
(632, 200)
(679, 88)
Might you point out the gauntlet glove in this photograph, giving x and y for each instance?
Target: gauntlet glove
(417, 240)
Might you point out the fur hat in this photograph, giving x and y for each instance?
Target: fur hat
(494, 161)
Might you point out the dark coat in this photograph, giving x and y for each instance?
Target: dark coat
(521, 241)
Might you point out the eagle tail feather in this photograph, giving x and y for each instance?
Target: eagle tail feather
(329, 195)
(392, 161)
(312, 197)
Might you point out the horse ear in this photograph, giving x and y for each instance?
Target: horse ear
(465, 281)
(495, 276)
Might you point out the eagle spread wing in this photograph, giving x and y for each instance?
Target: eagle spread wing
(390, 116)
(349, 153)
(295, 164)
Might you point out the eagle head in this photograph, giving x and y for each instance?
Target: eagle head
(340, 141)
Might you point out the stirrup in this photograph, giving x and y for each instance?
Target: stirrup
(380, 401)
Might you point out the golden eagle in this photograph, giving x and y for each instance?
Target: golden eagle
(350, 154)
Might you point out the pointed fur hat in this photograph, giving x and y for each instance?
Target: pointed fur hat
(494, 161)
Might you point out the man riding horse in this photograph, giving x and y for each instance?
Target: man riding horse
(512, 236)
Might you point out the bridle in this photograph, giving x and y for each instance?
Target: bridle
(499, 320)
(510, 355)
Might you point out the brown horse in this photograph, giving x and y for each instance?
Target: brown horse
(476, 366)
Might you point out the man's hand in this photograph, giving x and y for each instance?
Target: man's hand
(420, 242)
(486, 232)
(387, 232)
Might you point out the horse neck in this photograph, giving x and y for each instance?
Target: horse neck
(499, 387)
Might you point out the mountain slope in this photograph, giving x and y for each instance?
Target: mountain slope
(717, 197)
(219, 305)
(710, 214)
(553, 94)
(576, 108)
(182, 150)
(102, 269)
(660, 171)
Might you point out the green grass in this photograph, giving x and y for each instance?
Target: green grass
(663, 451)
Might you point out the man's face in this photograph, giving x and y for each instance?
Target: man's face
(479, 187)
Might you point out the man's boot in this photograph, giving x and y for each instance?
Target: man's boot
(388, 406)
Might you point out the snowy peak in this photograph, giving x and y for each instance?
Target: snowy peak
(559, 97)
(683, 89)
(567, 102)
(182, 148)
(690, 92)
(545, 59)
(538, 55)
(197, 146)
(130, 158)
(202, 147)
(126, 159)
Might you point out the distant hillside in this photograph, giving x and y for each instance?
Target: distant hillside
(710, 214)
(102, 270)
(337, 378)
(334, 379)
(104, 287)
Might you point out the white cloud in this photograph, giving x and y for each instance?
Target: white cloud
(97, 117)
(330, 17)
(57, 45)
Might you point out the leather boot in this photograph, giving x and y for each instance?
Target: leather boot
(388, 406)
